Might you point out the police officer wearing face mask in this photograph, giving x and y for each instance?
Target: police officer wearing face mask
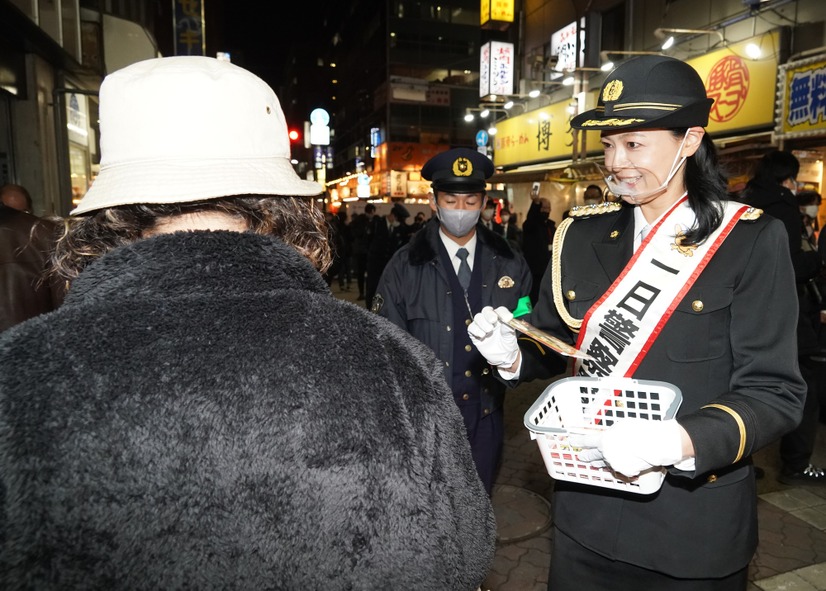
(448, 272)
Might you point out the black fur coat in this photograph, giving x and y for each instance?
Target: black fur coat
(201, 413)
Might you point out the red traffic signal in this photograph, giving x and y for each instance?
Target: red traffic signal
(295, 135)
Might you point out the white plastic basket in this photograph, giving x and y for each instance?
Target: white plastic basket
(580, 404)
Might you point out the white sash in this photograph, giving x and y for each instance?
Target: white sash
(618, 330)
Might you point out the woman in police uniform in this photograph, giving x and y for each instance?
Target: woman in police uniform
(677, 285)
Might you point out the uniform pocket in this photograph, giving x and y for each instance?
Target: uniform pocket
(579, 295)
(700, 325)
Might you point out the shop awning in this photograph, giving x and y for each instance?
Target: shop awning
(560, 172)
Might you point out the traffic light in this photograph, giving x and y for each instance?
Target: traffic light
(295, 135)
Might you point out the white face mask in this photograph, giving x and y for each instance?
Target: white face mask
(505, 218)
(810, 210)
(487, 215)
(458, 222)
(627, 188)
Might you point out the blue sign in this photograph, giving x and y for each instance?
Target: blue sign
(481, 138)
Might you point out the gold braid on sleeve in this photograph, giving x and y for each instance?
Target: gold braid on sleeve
(556, 276)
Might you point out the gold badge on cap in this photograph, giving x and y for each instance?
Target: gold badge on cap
(505, 282)
(612, 90)
(462, 167)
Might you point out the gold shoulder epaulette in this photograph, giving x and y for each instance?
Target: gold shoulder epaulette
(585, 211)
(751, 214)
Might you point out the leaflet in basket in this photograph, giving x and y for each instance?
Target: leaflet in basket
(577, 405)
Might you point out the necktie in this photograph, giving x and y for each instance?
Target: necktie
(644, 232)
(464, 268)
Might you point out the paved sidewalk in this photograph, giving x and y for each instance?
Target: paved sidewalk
(792, 520)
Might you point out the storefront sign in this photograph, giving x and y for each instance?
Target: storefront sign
(77, 118)
(398, 183)
(189, 27)
(563, 45)
(538, 136)
(405, 156)
(496, 69)
(802, 98)
(738, 85)
(496, 10)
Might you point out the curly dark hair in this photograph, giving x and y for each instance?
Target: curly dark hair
(295, 220)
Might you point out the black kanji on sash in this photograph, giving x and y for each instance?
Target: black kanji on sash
(639, 299)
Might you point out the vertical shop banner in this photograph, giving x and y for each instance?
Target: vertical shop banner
(563, 45)
(398, 183)
(189, 27)
(802, 98)
(496, 69)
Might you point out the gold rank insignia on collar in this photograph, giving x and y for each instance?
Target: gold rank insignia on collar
(751, 214)
(688, 249)
(585, 211)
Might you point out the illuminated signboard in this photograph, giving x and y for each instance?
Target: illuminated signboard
(563, 45)
(738, 85)
(802, 98)
(496, 68)
(496, 10)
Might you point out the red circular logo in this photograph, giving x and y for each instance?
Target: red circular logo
(728, 85)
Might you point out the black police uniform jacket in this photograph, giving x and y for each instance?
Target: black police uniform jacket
(201, 413)
(416, 293)
(731, 344)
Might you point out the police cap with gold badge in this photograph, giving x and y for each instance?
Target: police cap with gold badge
(650, 91)
(460, 170)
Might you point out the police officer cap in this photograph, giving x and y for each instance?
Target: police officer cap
(460, 170)
(650, 91)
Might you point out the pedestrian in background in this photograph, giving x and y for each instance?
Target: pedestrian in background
(592, 195)
(772, 188)
(388, 234)
(451, 269)
(26, 242)
(538, 231)
(183, 420)
(510, 230)
(809, 203)
(17, 197)
(678, 285)
(361, 233)
(488, 217)
(418, 223)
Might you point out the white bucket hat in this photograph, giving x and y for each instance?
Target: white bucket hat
(182, 129)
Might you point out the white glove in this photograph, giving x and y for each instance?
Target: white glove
(495, 340)
(630, 446)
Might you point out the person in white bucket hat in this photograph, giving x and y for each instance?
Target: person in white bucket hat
(182, 420)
